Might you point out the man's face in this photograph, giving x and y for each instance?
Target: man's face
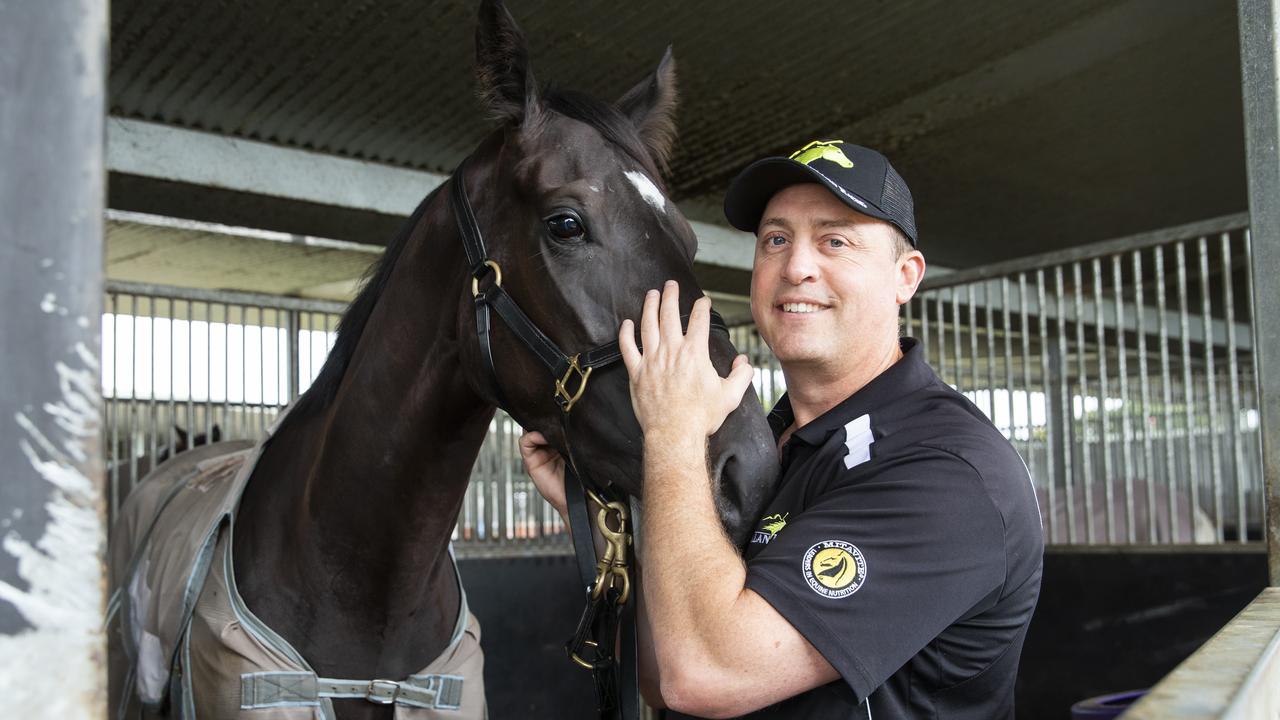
(825, 286)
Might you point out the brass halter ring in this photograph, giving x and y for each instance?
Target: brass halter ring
(497, 278)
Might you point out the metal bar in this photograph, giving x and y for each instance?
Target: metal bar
(1166, 387)
(1026, 362)
(955, 338)
(1082, 379)
(1255, 392)
(1104, 390)
(1211, 381)
(1144, 388)
(208, 370)
(153, 422)
(924, 326)
(973, 344)
(226, 371)
(909, 329)
(991, 353)
(1068, 445)
(1087, 252)
(173, 410)
(1126, 429)
(135, 421)
(1188, 390)
(225, 296)
(942, 337)
(191, 378)
(114, 459)
(1233, 392)
(294, 357)
(1008, 353)
(1050, 436)
(1258, 21)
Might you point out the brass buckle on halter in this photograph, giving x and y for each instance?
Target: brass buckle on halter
(497, 277)
(563, 396)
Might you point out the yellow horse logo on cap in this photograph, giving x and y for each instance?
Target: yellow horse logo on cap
(825, 149)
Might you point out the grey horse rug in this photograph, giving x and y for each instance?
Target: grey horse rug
(183, 642)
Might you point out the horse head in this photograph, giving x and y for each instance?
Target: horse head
(569, 196)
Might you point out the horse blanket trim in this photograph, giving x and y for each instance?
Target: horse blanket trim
(193, 645)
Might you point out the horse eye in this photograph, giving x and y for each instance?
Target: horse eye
(566, 227)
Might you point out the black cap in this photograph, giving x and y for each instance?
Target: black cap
(860, 177)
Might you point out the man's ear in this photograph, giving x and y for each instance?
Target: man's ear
(911, 267)
(504, 80)
(651, 105)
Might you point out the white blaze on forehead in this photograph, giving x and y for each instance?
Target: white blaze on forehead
(648, 190)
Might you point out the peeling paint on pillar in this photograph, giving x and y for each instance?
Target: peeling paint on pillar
(52, 190)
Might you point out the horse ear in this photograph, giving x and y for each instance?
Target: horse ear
(504, 80)
(177, 429)
(217, 433)
(651, 105)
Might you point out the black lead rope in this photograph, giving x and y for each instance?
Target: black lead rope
(597, 643)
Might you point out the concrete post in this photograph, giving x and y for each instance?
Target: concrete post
(52, 106)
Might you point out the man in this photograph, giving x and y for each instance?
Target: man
(896, 571)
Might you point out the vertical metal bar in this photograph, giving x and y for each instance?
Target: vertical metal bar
(191, 378)
(1166, 387)
(1144, 390)
(991, 351)
(114, 458)
(295, 357)
(1104, 390)
(262, 361)
(1025, 334)
(1126, 429)
(1068, 444)
(1086, 459)
(973, 343)
(173, 409)
(955, 338)
(226, 372)
(1008, 351)
(208, 370)
(1233, 390)
(924, 327)
(135, 420)
(942, 337)
(1188, 389)
(1046, 391)
(1211, 381)
(909, 329)
(153, 420)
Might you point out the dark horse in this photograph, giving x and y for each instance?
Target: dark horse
(341, 537)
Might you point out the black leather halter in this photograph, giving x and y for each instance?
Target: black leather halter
(607, 613)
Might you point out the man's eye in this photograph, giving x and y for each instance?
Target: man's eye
(774, 240)
(566, 227)
(837, 242)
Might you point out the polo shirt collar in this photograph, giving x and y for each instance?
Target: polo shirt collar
(904, 377)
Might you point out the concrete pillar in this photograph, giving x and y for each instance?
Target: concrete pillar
(1259, 22)
(52, 106)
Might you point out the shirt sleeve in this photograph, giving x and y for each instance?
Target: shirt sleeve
(883, 560)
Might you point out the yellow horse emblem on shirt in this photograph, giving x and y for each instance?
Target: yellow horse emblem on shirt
(825, 149)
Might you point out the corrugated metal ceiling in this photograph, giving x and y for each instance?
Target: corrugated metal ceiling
(1004, 159)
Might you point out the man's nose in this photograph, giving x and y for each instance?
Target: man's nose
(801, 264)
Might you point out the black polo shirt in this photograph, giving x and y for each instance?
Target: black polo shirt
(905, 544)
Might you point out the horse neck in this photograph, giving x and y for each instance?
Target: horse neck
(370, 486)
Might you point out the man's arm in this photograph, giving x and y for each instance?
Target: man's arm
(722, 649)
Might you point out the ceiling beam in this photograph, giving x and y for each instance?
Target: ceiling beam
(162, 153)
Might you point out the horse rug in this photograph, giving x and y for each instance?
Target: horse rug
(187, 642)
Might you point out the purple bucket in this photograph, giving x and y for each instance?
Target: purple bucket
(1105, 707)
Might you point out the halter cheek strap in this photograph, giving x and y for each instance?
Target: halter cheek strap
(607, 581)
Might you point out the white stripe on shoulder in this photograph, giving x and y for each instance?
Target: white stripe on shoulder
(858, 439)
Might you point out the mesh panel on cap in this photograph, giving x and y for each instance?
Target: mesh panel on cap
(898, 203)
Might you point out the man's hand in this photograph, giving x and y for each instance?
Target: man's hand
(675, 390)
(545, 467)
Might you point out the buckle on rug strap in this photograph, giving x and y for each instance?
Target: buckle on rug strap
(382, 692)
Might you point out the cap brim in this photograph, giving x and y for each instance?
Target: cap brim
(751, 190)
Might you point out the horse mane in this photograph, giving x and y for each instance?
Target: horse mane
(604, 117)
(325, 387)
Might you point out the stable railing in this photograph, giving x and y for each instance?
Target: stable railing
(1122, 371)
